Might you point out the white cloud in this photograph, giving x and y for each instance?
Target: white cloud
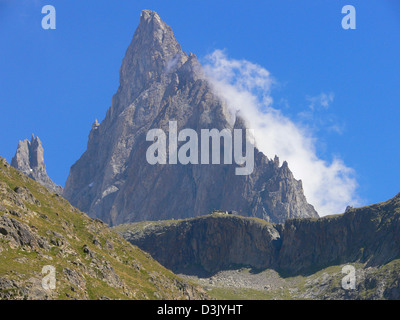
(246, 87)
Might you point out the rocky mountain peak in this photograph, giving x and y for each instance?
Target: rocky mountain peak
(160, 83)
(29, 155)
(148, 17)
(29, 158)
(155, 37)
(153, 52)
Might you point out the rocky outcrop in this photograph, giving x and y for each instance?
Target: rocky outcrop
(368, 235)
(29, 159)
(211, 242)
(159, 82)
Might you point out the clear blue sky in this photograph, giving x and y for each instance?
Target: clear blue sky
(54, 83)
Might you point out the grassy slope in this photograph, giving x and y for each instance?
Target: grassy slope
(131, 273)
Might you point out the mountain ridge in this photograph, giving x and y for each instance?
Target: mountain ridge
(369, 235)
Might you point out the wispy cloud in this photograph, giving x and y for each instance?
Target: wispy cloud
(317, 115)
(323, 100)
(246, 87)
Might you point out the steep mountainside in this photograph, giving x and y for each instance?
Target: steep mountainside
(39, 228)
(160, 83)
(368, 235)
(29, 159)
(311, 251)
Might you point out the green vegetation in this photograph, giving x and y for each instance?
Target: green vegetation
(91, 260)
(239, 294)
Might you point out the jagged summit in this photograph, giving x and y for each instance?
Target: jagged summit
(30, 160)
(153, 51)
(149, 18)
(160, 83)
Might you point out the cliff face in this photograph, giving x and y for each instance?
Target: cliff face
(29, 159)
(369, 235)
(209, 243)
(160, 83)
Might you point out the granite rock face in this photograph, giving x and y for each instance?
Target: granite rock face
(29, 159)
(159, 83)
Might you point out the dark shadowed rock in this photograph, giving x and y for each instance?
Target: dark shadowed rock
(209, 243)
(17, 232)
(369, 235)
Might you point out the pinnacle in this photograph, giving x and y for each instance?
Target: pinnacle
(35, 140)
(153, 50)
(149, 15)
(152, 26)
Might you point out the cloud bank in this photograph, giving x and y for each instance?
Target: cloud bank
(246, 87)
